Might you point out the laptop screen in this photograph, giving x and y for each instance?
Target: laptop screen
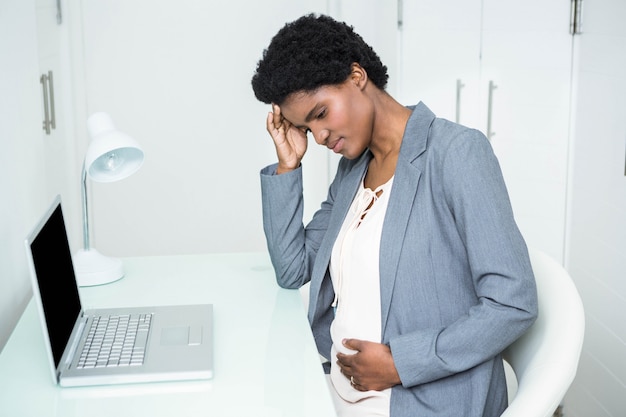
(53, 266)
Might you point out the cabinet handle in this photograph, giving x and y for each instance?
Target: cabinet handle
(46, 121)
(492, 87)
(47, 84)
(53, 123)
(459, 86)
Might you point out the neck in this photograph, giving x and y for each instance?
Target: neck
(389, 124)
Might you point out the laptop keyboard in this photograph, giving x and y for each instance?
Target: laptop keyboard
(118, 340)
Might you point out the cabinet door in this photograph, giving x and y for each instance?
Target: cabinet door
(21, 161)
(57, 141)
(49, 52)
(503, 67)
(440, 57)
(526, 55)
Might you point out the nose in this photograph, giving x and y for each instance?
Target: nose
(320, 136)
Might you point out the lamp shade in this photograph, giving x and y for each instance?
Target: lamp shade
(112, 155)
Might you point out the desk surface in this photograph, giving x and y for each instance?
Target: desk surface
(266, 363)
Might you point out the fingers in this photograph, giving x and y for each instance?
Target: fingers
(347, 366)
(274, 120)
(354, 381)
(348, 361)
(345, 363)
(353, 344)
(276, 123)
(371, 367)
(348, 373)
(355, 384)
(273, 128)
(277, 116)
(290, 142)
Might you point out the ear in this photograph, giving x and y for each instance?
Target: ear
(358, 75)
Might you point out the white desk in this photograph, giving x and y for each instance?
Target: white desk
(266, 363)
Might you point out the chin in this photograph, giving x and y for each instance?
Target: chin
(349, 155)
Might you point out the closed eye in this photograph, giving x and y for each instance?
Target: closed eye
(317, 112)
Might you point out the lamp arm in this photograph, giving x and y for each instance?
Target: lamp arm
(85, 212)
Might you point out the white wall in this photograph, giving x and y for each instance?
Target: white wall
(176, 76)
(597, 239)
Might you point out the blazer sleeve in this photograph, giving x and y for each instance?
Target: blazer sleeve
(291, 245)
(499, 268)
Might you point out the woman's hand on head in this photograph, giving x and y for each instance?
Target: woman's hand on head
(290, 141)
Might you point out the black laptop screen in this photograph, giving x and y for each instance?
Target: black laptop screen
(57, 283)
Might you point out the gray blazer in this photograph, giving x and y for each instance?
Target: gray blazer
(455, 277)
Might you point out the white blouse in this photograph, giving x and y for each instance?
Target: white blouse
(355, 274)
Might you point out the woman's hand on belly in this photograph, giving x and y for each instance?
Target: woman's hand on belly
(370, 368)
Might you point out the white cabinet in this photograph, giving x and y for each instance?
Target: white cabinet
(503, 67)
(55, 91)
(48, 46)
(526, 51)
(24, 196)
(440, 57)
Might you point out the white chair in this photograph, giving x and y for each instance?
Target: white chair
(545, 358)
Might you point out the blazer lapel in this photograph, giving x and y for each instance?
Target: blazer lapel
(402, 201)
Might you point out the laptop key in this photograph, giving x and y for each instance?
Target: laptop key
(141, 339)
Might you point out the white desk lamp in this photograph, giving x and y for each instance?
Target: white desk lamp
(111, 156)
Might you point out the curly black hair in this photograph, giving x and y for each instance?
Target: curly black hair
(311, 52)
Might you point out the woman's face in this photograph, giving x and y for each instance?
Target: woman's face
(340, 117)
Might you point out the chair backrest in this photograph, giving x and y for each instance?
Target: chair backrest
(545, 358)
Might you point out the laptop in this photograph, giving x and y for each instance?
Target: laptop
(110, 346)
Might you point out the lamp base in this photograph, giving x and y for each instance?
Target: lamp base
(93, 268)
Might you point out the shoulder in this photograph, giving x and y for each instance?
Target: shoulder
(451, 144)
(444, 134)
(428, 136)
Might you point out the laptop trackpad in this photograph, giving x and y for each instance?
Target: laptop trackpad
(182, 335)
(174, 336)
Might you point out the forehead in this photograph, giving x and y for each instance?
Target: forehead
(300, 97)
(298, 105)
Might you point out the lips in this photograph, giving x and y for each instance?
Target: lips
(334, 145)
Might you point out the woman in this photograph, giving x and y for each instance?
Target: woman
(419, 275)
